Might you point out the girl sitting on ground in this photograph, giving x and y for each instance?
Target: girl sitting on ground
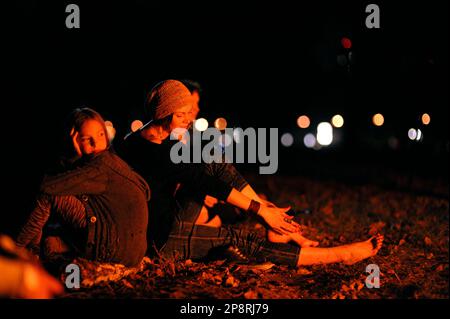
(97, 209)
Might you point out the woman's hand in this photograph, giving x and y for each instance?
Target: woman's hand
(278, 220)
(76, 146)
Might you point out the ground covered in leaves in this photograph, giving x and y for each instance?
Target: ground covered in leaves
(413, 261)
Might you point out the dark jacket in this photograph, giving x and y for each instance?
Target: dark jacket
(152, 161)
(116, 199)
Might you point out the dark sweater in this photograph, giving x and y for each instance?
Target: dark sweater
(152, 161)
(117, 199)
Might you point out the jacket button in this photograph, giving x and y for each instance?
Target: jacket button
(93, 219)
(84, 198)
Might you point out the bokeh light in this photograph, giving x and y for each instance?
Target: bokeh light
(426, 119)
(237, 135)
(303, 121)
(378, 119)
(337, 121)
(412, 133)
(324, 134)
(287, 139)
(309, 140)
(178, 133)
(136, 125)
(201, 124)
(419, 135)
(220, 123)
(225, 140)
(346, 43)
(111, 132)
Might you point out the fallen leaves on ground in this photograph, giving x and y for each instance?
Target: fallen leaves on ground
(413, 261)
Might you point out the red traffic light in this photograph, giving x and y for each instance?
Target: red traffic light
(346, 43)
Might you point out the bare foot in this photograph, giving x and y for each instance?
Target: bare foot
(356, 252)
(296, 237)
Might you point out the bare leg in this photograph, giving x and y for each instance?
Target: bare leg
(295, 237)
(347, 254)
(203, 219)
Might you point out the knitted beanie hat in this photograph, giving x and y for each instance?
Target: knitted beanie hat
(167, 97)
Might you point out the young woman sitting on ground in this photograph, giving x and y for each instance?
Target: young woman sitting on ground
(176, 230)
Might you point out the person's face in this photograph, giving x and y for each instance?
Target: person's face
(92, 138)
(182, 118)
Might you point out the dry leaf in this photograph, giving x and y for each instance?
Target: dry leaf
(440, 268)
(127, 284)
(251, 294)
(303, 271)
(231, 282)
(345, 288)
(177, 295)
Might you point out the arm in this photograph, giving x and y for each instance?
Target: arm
(227, 173)
(194, 176)
(31, 232)
(249, 192)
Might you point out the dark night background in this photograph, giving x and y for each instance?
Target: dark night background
(260, 64)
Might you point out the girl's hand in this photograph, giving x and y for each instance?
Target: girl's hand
(76, 146)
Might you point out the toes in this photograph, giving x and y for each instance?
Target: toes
(374, 242)
(377, 241)
(380, 239)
